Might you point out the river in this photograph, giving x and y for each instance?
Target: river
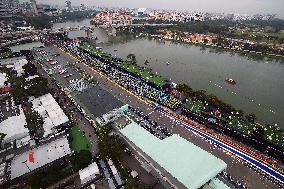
(260, 84)
(25, 46)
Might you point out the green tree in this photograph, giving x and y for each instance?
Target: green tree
(251, 117)
(18, 87)
(81, 160)
(110, 147)
(131, 183)
(131, 58)
(37, 87)
(30, 69)
(2, 136)
(35, 123)
(185, 89)
(42, 22)
(241, 113)
(146, 62)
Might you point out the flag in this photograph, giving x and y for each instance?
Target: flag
(31, 157)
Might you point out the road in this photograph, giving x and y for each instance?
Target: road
(85, 126)
(236, 168)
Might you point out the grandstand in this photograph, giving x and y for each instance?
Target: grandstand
(177, 162)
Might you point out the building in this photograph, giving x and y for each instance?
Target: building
(53, 116)
(36, 8)
(141, 12)
(5, 87)
(3, 79)
(38, 157)
(175, 161)
(68, 5)
(82, 7)
(3, 9)
(16, 63)
(89, 173)
(108, 18)
(14, 129)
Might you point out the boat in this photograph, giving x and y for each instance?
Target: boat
(230, 81)
(168, 63)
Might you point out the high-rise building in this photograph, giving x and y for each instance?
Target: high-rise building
(3, 8)
(68, 5)
(82, 7)
(37, 9)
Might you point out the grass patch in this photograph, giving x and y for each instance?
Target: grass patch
(193, 106)
(273, 135)
(238, 124)
(95, 51)
(6, 54)
(144, 73)
(79, 141)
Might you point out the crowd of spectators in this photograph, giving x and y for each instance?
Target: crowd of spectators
(126, 79)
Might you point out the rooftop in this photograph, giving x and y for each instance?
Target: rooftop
(7, 61)
(98, 101)
(180, 158)
(89, 173)
(16, 63)
(51, 112)
(41, 156)
(3, 78)
(14, 131)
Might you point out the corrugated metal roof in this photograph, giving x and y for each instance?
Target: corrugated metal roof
(189, 164)
(42, 155)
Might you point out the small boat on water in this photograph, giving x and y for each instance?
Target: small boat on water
(168, 63)
(230, 81)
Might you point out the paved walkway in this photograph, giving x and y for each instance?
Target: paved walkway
(236, 169)
(73, 113)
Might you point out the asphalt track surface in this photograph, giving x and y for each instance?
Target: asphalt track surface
(251, 173)
(98, 106)
(102, 104)
(255, 164)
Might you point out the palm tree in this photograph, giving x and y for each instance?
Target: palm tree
(146, 62)
(131, 58)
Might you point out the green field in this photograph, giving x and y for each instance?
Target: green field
(94, 51)
(260, 36)
(145, 74)
(6, 54)
(273, 135)
(237, 124)
(278, 35)
(79, 142)
(194, 106)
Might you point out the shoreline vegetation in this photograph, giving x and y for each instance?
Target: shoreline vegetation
(215, 42)
(207, 109)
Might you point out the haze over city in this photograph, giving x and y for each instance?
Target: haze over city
(141, 94)
(220, 6)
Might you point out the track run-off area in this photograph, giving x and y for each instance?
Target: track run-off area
(235, 150)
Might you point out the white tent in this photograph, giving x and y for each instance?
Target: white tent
(89, 173)
(14, 131)
(51, 112)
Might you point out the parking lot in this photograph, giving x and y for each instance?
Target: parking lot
(97, 100)
(235, 168)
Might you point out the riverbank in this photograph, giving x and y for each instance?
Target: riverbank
(203, 69)
(254, 55)
(221, 113)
